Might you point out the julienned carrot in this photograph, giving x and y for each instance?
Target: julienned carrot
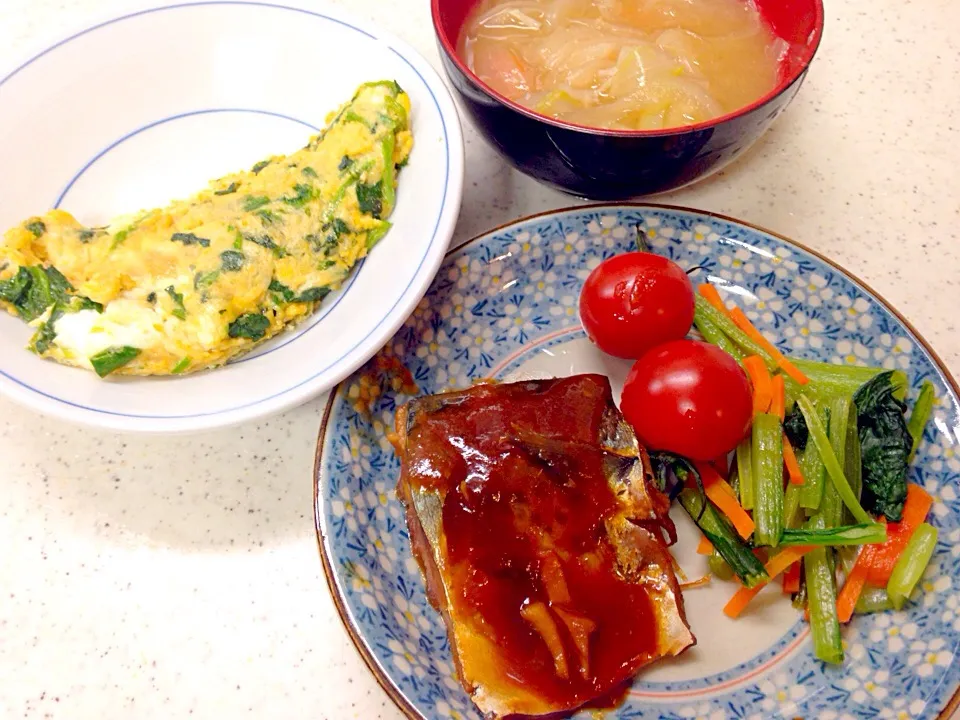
(847, 599)
(791, 579)
(743, 322)
(711, 295)
(793, 465)
(705, 547)
(775, 565)
(722, 495)
(885, 556)
(729, 506)
(785, 558)
(741, 598)
(778, 401)
(728, 489)
(761, 382)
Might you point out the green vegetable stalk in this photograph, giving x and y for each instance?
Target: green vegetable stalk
(725, 542)
(834, 470)
(704, 309)
(909, 568)
(840, 413)
(873, 600)
(745, 472)
(792, 516)
(852, 463)
(714, 335)
(811, 494)
(822, 601)
(855, 535)
(718, 566)
(831, 380)
(768, 479)
(920, 415)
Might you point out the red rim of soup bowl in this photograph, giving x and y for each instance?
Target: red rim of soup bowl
(787, 18)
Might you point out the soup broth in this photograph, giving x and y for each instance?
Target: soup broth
(624, 64)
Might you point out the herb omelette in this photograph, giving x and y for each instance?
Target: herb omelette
(192, 285)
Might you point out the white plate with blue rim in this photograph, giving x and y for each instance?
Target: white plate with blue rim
(135, 110)
(504, 306)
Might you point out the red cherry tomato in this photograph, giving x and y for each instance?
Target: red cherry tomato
(635, 301)
(690, 398)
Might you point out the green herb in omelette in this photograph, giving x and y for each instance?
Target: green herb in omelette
(79, 302)
(252, 326)
(334, 230)
(370, 198)
(36, 227)
(202, 280)
(281, 293)
(46, 333)
(376, 234)
(255, 202)
(59, 285)
(13, 289)
(313, 294)
(232, 260)
(316, 211)
(302, 195)
(265, 241)
(179, 311)
(268, 217)
(33, 289)
(337, 228)
(119, 237)
(351, 116)
(190, 239)
(388, 181)
(113, 358)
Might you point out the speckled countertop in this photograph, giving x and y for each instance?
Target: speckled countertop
(161, 578)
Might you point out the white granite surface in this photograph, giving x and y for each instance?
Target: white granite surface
(165, 578)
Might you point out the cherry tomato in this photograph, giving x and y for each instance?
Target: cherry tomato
(690, 398)
(635, 301)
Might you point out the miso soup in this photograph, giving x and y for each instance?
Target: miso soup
(624, 64)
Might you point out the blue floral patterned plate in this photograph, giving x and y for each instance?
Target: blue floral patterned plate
(505, 306)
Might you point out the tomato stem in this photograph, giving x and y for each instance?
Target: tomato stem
(642, 245)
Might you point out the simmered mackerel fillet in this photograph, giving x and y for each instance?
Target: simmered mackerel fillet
(191, 285)
(533, 516)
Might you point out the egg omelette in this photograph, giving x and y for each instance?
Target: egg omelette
(190, 286)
